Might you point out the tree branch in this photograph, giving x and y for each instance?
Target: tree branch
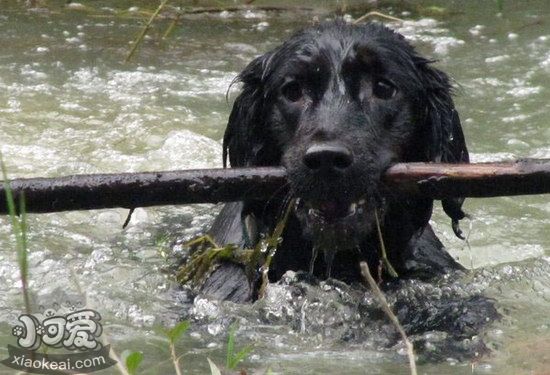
(130, 190)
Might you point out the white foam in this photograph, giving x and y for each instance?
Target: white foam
(523, 91)
(497, 59)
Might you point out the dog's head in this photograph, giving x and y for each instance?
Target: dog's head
(337, 104)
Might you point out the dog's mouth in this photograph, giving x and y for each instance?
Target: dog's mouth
(337, 223)
(331, 212)
(334, 226)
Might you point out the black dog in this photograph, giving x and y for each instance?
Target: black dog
(337, 104)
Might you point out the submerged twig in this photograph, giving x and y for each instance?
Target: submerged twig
(383, 255)
(272, 243)
(144, 30)
(386, 308)
(175, 359)
(377, 14)
(171, 27)
(467, 240)
(246, 7)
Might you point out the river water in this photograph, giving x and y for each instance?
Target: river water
(69, 104)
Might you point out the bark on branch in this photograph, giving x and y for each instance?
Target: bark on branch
(130, 190)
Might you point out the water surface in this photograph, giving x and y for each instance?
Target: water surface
(69, 104)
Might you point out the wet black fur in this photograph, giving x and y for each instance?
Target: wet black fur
(337, 66)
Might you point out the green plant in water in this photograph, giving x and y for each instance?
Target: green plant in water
(132, 360)
(232, 358)
(205, 254)
(162, 245)
(174, 335)
(19, 229)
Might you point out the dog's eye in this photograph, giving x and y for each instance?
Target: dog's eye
(383, 89)
(292, 91)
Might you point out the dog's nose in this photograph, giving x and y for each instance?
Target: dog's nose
(327, 156)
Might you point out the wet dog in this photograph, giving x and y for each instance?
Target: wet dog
(336, 105)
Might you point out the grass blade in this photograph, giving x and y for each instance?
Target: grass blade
(232, 359)
(19, 228)
(230, 346)
(241, 355)
(214, 370)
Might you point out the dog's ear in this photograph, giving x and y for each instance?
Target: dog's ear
(245, 137)
(446, 142)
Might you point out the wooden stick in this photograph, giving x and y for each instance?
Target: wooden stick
(130, 190)
(439, 181)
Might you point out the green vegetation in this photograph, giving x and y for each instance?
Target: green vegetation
(132, 361)
(206, 253)
(174, 335)
(233, 359)
(19, 230)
